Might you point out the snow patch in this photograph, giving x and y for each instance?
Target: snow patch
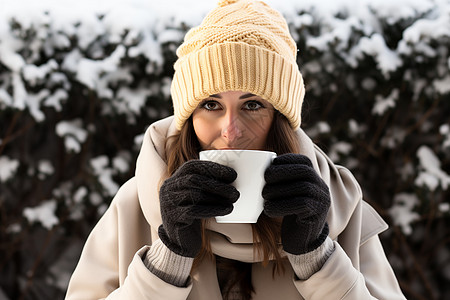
(383, 104)
(44, 214)
(104, 173)
(73, 133)
(45, 169)
(431, 174)
(8, 168)
(402, 211)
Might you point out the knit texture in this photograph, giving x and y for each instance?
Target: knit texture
(305, 265)
(197, 190)
(241, 45)
(296, 192)
(167, 265)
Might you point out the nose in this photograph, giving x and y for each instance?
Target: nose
(231, 128)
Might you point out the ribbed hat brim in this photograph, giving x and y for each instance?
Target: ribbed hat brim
(237, 67)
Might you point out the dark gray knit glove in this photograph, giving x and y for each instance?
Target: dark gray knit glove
(295, 192)
(197, 190)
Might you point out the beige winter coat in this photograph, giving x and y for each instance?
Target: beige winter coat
(111, 263)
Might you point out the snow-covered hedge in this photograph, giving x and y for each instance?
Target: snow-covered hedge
(80, 82)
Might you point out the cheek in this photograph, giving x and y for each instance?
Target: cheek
(205, 130)
(259, 129)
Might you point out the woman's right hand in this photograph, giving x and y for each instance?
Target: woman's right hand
(197, 190)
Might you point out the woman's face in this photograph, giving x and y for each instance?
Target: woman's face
(233, 120)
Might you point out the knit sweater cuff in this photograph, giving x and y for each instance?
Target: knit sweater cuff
(305, 265)
(167, 265)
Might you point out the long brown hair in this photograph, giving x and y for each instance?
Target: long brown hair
(281, 139)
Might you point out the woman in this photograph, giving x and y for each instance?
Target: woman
(236, 86)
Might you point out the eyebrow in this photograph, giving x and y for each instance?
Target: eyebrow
(245, 96)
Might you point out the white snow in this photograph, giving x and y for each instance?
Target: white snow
(394, 136)
(73, 133)
(402, 211)
(121, 162)
(355, 128)
(64, 191)
(400, 9)
(383, 104)
(33, 102)
(444, 207)
(442, 86)
(8, 56)
(71, 60)
(338, 149)
(56, 99)
(375, 46)
(80, 194)
(19, 91)
(134, 98)
(323, 127)
(33, 74)
(5, 99)
(45, 169)
(340, 32)
(445, 131)
(319, 128)
(8, 168)
(429, 28)
(104, 173)
(138, 140)
(342, 147)
(407, 171)
(369, 83)
(166, 87)
(44, 214)
(95, 198)
(14, 228)
(431, 174)
(89, 71)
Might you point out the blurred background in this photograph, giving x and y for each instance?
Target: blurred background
(80, 81)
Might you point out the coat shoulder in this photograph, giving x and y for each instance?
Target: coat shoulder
(127, 193)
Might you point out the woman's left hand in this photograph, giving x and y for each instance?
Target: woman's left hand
(295, 192)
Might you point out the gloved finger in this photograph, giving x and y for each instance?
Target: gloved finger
(208, 169)
(292, 158)
(205, 211)
(280, 173)
(214, 187)
(194, 188)
(302, 207)
(287, 189)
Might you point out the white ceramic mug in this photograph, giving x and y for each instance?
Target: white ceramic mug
(250, 166)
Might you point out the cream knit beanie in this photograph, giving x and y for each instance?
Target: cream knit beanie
(241, 45)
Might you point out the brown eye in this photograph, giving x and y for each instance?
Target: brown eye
(253, 105)
(211, 105)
